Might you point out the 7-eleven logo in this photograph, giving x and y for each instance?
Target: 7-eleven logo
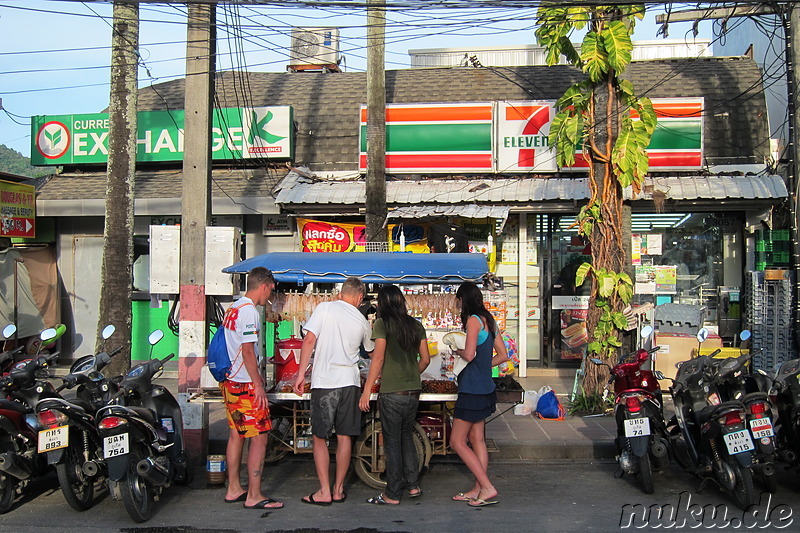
(531, 138)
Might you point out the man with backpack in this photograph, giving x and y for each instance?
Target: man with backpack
(244, 393)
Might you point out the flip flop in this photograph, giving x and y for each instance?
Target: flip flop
(461, 497)
(267, 503)
(378, 500)
(415, 494)
(240, 498)
(311, 501)
(477, 502)
(340, 500)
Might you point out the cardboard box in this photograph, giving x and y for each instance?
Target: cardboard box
(675, 348)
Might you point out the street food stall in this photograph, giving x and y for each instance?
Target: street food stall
(429, 282)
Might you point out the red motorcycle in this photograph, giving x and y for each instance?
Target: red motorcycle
(638, 409)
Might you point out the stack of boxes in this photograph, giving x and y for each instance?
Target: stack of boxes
(773, 249)
(769, 317)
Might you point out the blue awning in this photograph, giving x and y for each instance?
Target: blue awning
(397, 267)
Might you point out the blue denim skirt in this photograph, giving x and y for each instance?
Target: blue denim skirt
(475, 407)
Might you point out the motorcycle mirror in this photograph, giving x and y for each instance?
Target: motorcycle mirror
(646, 331)
(745, 334)
(9, 330)
(155, 337)
(48, 335)
(702, 335)
(108, 331)
(596, 361)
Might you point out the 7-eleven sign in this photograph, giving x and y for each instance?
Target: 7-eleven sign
(522, 130)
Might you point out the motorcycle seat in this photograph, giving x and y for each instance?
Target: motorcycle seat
(146, 414)
(10, 405)
(712, 411)
(73, 403)
(763, 396)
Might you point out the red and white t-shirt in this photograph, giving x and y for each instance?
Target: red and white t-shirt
(242, 325)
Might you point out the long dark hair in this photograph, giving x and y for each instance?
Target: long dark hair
(472, 304)
(392, 309)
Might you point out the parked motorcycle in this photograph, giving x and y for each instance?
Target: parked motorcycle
(69, 437)
(638, 409)
(708, 435)
(22, 389)
(736, 382)
(786, 393)
(142, 432)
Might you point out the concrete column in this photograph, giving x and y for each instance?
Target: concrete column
(195, 216)
(522, 276)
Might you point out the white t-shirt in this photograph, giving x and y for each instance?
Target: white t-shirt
(241, 324)
(340, 329)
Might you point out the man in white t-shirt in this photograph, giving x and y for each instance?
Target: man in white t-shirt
(334, 333)
(244, 393)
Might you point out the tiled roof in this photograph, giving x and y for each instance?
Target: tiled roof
(326, 104)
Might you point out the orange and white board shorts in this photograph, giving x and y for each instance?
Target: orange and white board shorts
(239, 401)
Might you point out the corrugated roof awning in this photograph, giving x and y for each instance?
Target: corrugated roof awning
(296, 190)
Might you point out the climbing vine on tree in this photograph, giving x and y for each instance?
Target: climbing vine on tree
(601, 121)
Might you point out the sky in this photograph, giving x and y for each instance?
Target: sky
(54, 55)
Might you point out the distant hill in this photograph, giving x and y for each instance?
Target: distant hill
(14, 162)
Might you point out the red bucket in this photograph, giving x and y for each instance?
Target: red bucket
(287, 358)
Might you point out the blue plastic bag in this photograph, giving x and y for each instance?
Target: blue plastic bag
(549, 408)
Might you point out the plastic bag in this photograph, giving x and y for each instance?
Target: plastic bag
(528, 405)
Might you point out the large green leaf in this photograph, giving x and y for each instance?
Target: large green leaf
(581, 273)
(594, 56)
(617, 42)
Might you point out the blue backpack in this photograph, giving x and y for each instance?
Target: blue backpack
(219, 362)
(549, 408)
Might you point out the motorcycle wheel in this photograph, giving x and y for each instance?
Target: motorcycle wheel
(743, 491)
(77, 487)
(646, 474)
(8, 488)
(137, 495)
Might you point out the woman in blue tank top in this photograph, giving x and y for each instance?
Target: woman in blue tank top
(476, 396)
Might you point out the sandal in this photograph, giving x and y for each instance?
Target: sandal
(417, 492)
(378, 500)
(461, 497)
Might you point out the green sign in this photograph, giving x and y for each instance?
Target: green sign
(237, 133)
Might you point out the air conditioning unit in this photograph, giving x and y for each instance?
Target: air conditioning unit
(314, 46)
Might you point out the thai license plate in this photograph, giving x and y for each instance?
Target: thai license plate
(53, 439)
(637, 427)
(738, 442)
(761, 427)
(115, 445)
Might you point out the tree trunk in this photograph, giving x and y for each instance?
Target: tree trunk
(117, 271)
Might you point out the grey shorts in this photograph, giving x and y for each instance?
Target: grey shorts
(335, 411)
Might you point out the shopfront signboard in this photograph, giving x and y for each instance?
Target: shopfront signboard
(237, 133)
(512, 137)
(17, 210)
(320, 236)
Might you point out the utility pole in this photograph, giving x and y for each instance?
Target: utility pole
(116, 272)
(789, 14)
(376, 122)
(195, 216)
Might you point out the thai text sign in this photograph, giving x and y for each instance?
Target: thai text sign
(17, 210)
(237, 133)
(319, 236)
(512, 137)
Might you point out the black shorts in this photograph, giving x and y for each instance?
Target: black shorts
(335, 411)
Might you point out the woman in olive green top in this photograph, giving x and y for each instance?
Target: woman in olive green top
(400, 356)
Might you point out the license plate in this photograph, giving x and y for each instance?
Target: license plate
(637, 427)
(53, 439)
(761, 427)
(115, 445)
(738, 442)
